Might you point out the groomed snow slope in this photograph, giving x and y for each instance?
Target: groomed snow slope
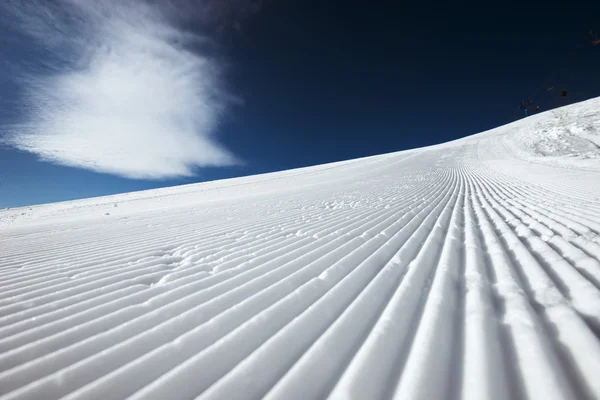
(464, 270)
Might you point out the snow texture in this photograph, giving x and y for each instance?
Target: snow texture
(466, 270)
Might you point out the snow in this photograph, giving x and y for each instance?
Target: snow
(465, 270)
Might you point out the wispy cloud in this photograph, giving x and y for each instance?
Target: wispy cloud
(120, 89)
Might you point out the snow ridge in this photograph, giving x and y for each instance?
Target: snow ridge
(459, 271)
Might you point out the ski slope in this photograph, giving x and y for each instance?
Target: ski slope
(466, 270)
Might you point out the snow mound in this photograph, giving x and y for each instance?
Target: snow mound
(568, 136)
(466, 270)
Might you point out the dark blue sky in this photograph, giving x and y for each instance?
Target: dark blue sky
(322, 82)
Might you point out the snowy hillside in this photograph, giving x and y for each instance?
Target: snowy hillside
(467, 270)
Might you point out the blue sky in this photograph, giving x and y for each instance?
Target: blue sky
(134, 97)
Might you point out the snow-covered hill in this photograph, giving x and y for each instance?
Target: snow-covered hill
(464, 270)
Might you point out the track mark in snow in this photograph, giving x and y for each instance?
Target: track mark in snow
(457, 271)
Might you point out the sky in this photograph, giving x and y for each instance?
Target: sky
(107, 96)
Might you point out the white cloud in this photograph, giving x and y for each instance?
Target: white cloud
(121, 90)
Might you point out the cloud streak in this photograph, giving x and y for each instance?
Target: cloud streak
(121, 90)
